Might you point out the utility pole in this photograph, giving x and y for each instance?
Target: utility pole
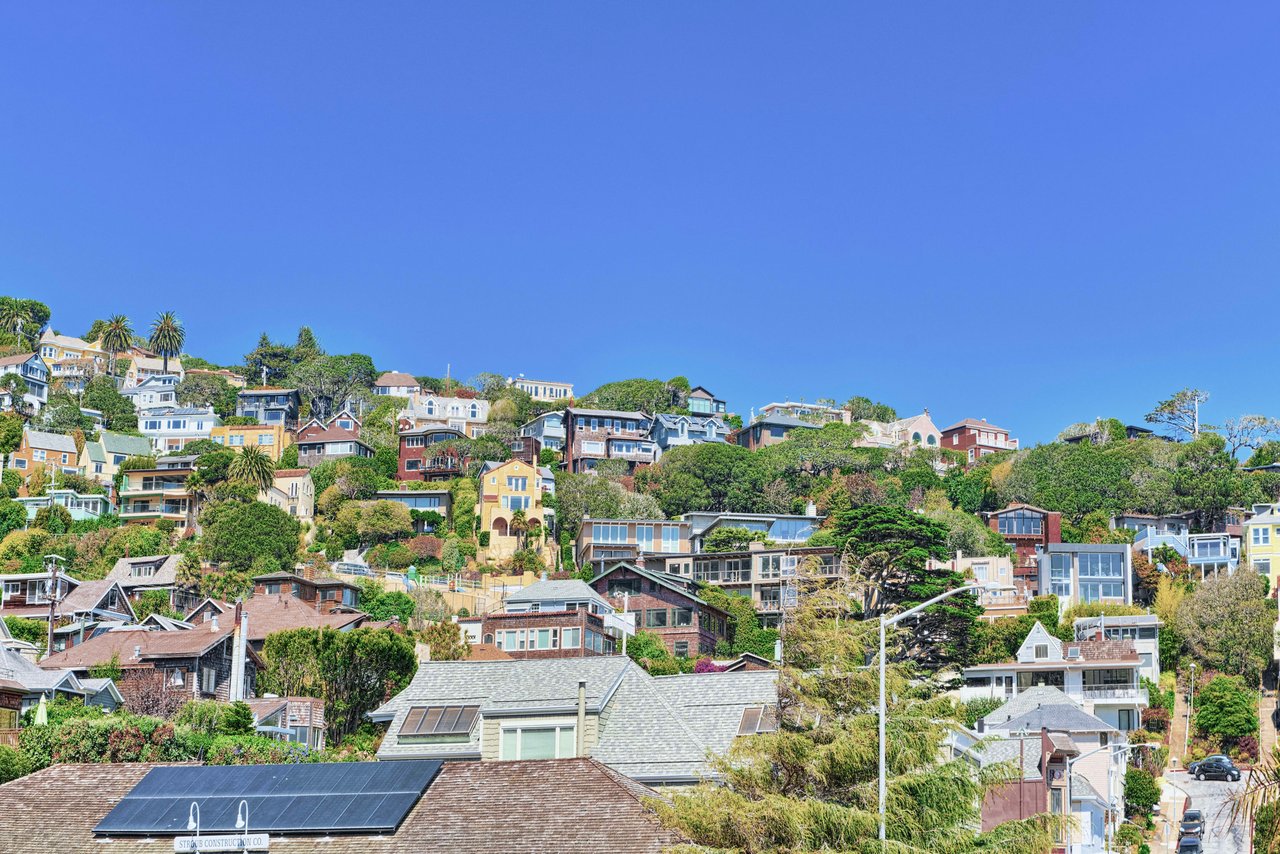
(51, 562)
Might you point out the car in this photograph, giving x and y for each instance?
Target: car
(1216, 767)
(1192, 824)
(1190, 845)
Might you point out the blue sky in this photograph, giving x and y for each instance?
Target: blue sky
(1033, 213)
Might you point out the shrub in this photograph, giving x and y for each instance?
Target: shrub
(1226, 708)
(1156, 719)
(425, 546)
(484, 538)
(12, 764)
(1140, 792)
(974, 710)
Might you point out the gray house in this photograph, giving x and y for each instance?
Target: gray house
(655, 730)
(671, 431)
(1087, 572)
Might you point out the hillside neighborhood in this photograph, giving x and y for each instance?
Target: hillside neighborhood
(698, 615)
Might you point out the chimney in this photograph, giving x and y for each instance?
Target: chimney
(811, 509)
(213, 624)
(777, 649)
(982, 725)
(582, 718)
(239, 632)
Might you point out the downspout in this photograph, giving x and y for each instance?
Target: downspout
(582, 718)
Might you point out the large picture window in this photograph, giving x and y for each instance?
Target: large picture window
(1101, 577)
(1020, 523)
(551, 742)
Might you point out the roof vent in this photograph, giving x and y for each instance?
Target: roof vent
(213, 623)
(137, 651)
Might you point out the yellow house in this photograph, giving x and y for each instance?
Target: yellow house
(1262, 542)
(293, 492)
(506, 488)
(271, 439)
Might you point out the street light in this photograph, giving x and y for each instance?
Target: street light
(1110, 747)
(193, 818)
(987, 587)
(242, 819)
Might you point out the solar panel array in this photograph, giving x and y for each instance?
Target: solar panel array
(338, 797)
(440, 720)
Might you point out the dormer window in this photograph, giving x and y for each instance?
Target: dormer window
(1041, 651)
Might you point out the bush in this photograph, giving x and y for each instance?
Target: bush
(979, 708)
(1140, 792)
(1156, 719)
(12, 764)
(425, 546)
(484, 539)
(1226, 708)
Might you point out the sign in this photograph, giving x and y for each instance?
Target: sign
(228, 842)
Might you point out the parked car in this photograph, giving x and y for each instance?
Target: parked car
(1190, 845)
(1214, 767)
(1192, 824)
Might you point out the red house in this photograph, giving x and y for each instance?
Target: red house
(420, 459)
(976, 438)
(1028, 529)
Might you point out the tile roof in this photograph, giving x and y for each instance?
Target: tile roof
(51, 441)
(468, 809)
(271, 613)
(155, 645)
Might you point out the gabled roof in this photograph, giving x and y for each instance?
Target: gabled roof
(1040, 635)
(569, 589)
(670, 420)
(392, 379)
(89, 595)
(33, 678)
(50, 441)
(166, 574)
(1013, 507)
(18, 359)
(269, 614)
(607, 413)
(975, 422)
(120, 443)
(155, 645)
(657, 578)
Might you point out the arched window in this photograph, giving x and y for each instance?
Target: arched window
(488, 638)
(431, 407)
(915, 437)
(475, 411)
(931, 440)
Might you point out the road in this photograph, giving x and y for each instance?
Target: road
(1211, 798)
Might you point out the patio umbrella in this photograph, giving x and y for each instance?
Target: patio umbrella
(42, 712)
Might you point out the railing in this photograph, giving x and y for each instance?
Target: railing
(156, 487)
(1115, 692)
(9, 737)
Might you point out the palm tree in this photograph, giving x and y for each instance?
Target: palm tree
(167, 336)
(254, 467)
(14, 317)
(519, 526)
(117, 337)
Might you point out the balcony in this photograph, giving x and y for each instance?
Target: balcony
(1119, 693)
(144, 488)
(9, 737)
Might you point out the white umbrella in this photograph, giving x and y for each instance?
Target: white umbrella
(42, 712)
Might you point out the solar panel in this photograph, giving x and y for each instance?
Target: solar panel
(338, 797)
(439, 720)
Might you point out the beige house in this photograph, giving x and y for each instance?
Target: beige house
(293, 492)
(917, 431)
(505, 489)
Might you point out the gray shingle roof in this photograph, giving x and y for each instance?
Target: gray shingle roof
(51, 441)
(1027, 700)
(166, 575)
(1024, 751)
(571, 589)
(1068, 719)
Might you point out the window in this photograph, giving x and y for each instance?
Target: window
(266, 440)
(655, 618)
(553, 742)
(1020, 523)
(1041, 650)
(1263, 566)
(644, 537)
(1101, 576)
(413, 465)
(1060, 575)
(235, 441)
(439, 720)
(38, 455)
(518, 484)
(682, 649)
(604, 532)
(570, 638)
(670, 538)
(758, 719)
(515, 502)
(618, 586)
(682, 616)
(1261, 535)
(1127, 719)
(208, 680)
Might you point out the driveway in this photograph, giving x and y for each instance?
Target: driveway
(1211, 797)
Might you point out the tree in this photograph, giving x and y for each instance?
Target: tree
(55, 519)
(117, 337)
(381, 521)
(23, 319)
(354, 672)
(38, 480)
(1227, 624)
(381, 604)
(731, 539)
(861, 408)
(810, 786)
(1226, 707)
(1141, 792)
(652, 396)
(1248, 432)
(445, 642)
(11, 426)
(167, 336)
(252, 466)
(1181, 411)
(268, 361)
(208, 390)
(325, 382)
(118, 412)
(235, 533)
(306, 347)
(146, 692)
(13, 517)
(710, 476)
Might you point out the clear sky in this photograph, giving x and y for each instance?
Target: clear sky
(1034, 213)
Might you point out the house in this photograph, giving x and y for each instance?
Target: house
(333, 439)
(466, 415)
(1208, 554)
(1102, 675)
(196, 663)
(703, 402)
(815, 414)
(78, 614)
(1142, 629)
(1030, 530)
(26, 594)
(770, 575)
(459, 807)
(270, 406)
(670, 431)
(778, 528)
(543, 391)
(54, 451)
(81, 506)
(396, 384)
(1262, 542)
(55, 348)
(271, 439)
(24, 683)
(553, 619)
(144, 365)
(326, 595)
(293, 491)
(604, 541)
(296, 719)
(977, 438)
(654, 730)
(508, 488)
(148, 495)
(548, 429)
(917, 431)
(137, 575)
(102, 458)
(592, 435)
(421, 459)
(269, 613)
(158, 392)
(665, 605)
(1100, 435)
(1009, 602)
(230, 377)
(768, 430)
(422, 500)
(171, 428)
(31, 370)
(1087, 572)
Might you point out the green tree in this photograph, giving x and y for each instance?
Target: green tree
(1141, 792)
(381, 521)
(118, 412)
(445, 641)
(268, 361)
(235, 533)
(354, 672)
(13, 517)
(208, 390)
(326, 382)
(238, 719)
(167, 336)
(861, 408)
(306, 347)
(1181, 412)
(1227, 708)
(55, 519)
(117, 337)
(652, 396)
(1238, 646)
(732, 539)
(711, 476)
(252, 466)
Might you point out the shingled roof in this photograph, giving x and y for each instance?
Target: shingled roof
(468, 808)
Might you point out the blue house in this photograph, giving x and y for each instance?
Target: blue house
(671, 431)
